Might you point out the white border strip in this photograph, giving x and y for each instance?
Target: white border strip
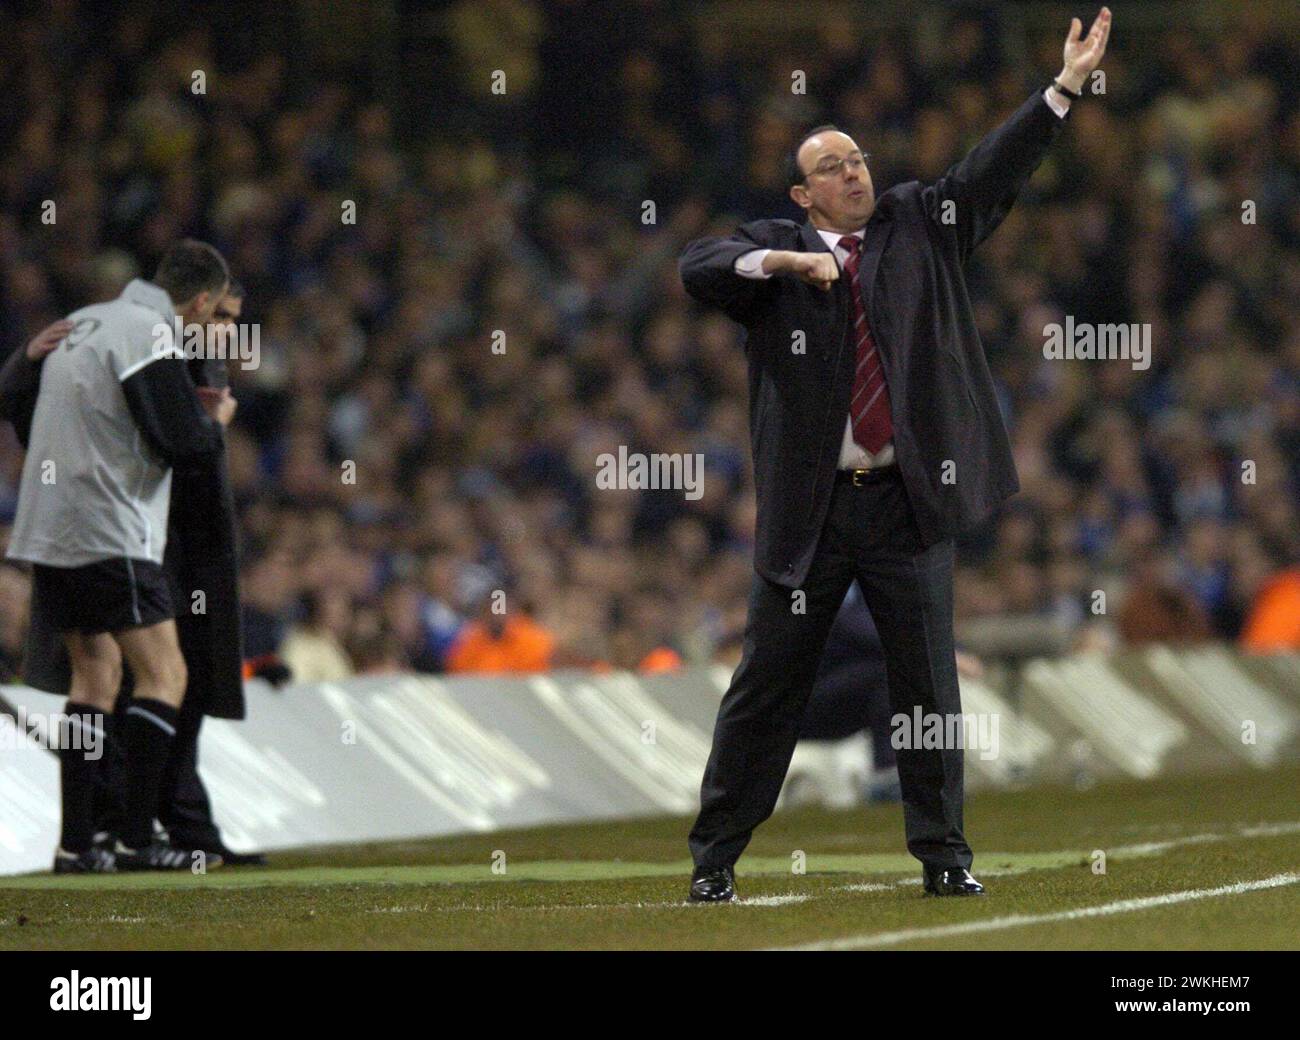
(172, 352)
(1123, 906)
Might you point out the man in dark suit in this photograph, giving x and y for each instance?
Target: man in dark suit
(876, 437)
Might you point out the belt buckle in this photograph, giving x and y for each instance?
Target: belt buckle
(860, 477)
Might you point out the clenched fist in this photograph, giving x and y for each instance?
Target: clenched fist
(219, 404)
(819, 269)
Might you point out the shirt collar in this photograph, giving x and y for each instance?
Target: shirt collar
(832, 238)
(146, 294)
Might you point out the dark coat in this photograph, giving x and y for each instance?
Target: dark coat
(941, 392)
(201, 554)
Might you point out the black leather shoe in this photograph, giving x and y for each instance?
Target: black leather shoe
(713, 885)
(955, 882)
(223, 854)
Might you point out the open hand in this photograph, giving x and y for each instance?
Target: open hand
(47, 339)
(1083, 54)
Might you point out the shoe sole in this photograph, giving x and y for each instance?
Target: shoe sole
(212, 862)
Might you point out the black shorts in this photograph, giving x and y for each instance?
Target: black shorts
(107, 596)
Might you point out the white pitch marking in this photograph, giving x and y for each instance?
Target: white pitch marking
(1122, 906)
(1267, 830)
(109, 919)
(772, 900)
(1148, 847)
(759, 901)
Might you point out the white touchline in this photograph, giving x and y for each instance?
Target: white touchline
(1269, 830)
(1123, 906)
(785, 900)
(676, 904)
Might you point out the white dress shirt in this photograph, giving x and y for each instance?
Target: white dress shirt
(852, 454)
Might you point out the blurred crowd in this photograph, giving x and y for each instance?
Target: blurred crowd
(415, 454)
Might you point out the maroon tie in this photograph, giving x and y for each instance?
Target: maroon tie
(872, 425)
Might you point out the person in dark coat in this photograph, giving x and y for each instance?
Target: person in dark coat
(201, 565)
(876, 438)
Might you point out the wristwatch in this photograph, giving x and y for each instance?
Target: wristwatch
(1073, 95)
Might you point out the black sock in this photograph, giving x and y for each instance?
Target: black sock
(110, 781)
(81, 747)
(150, 727)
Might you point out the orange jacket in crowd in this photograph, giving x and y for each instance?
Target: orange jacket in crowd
(522, 646)
(660, 659)
(1274, 622)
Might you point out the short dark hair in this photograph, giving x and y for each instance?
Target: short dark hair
(794, 175)
(190, 267)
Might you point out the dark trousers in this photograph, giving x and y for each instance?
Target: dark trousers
(871, 535)
(183, 805)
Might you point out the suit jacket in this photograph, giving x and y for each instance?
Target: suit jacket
(201, 554)
(950, 441)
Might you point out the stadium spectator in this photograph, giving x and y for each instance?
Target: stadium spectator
(1274, 622)
(499, 642)
(524, 214)
(1158, 610)
(313, 649)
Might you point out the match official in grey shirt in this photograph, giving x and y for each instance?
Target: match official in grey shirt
(116, 410)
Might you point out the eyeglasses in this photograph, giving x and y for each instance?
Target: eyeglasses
(829, 167)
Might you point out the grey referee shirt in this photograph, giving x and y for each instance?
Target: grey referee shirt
(116, 409)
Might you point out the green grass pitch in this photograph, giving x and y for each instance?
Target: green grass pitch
(1204, 862)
